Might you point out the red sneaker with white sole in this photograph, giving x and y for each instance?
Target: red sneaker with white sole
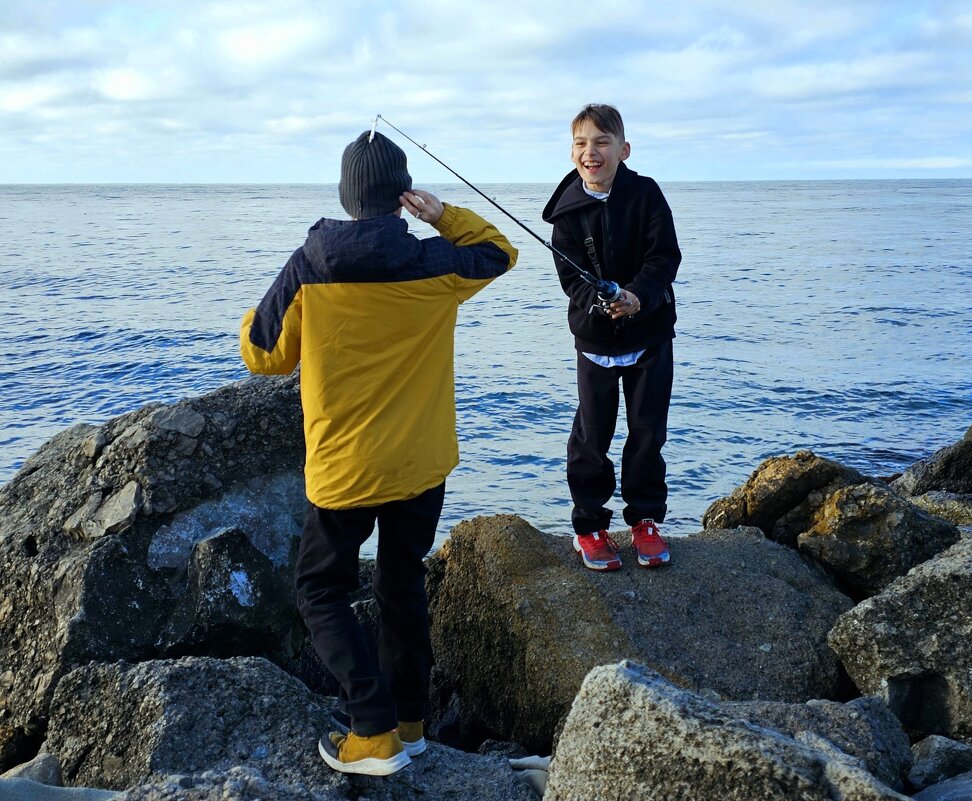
(648, 544)
(598, 551)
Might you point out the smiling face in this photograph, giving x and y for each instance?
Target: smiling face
(597, 154)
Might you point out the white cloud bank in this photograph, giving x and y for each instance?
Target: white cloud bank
(272, 91)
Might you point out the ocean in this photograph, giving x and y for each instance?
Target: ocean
(829, 315)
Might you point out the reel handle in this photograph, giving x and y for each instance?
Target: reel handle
(607, 293)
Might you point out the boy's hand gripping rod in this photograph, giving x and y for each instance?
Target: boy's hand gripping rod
(607, 291)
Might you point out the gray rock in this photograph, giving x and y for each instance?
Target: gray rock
(781, 495)
(239, 784)
(855, 527)
(517, 622)
(947, 470)
(93, 445)
(912, 645)
(953, 507)
(78, 521)
(267, 508)
(181, 419)
(127, 725)
(957, 789)
(938, 758)
(27, 790)
(511, 751)
(43, 768)
(867, 537)
(863, 728)
(116, 514)
(695, 749)
(235, 601)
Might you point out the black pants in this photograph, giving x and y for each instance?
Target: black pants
(376, 693)
(647, 387)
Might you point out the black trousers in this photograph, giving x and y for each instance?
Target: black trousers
(647, 387)
(376, 693)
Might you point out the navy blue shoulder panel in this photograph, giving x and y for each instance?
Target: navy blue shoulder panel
(268, 320)
(361, 253)
(381, 250)
(484, 260)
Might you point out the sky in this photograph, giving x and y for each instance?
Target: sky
(271, 92)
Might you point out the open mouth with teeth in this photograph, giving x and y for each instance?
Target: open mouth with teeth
(591, 166)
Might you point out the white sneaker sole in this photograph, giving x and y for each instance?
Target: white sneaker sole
(593, 565)
(367, 767)
(415, 748)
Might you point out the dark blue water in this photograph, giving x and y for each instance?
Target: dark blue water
(826, 315)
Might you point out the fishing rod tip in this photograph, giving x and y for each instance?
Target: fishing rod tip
(374, 125)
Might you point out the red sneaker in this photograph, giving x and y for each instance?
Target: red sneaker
(648, 544)
(598, 551)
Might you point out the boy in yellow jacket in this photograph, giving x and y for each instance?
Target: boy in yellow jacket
(369, 312)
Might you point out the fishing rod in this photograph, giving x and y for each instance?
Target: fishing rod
(607, 291)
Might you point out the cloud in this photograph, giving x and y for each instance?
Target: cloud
(272, 90)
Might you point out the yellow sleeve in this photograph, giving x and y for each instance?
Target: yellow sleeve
(269, 340)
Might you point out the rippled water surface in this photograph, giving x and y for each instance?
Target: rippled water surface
(826, 315)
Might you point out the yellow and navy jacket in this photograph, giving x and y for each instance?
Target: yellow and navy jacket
(369, 312)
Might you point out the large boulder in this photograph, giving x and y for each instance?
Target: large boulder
(517, 623)
(863, 728)
(630, 734)
(947, 470)
(867, 537)
(122, 726)
(912, 645)
(781, 496)
(861, 532)
(237, 784)
(957, 789)
(937, 759)
(114, 544)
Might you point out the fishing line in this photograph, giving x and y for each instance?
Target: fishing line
(607, 291)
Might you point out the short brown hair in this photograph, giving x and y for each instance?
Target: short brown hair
(606, 118)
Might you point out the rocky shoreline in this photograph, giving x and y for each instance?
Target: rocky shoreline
(814, 640)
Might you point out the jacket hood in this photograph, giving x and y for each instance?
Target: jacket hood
(379, 246)
(570, 194)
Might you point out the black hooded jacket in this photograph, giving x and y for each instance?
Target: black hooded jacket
(634, 237)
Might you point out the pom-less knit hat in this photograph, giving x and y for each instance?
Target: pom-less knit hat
(373, 175)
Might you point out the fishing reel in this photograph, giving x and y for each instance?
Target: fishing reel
(607, 293)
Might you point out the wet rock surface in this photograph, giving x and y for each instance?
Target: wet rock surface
(518, 622)
(912, 645)
(707, 752)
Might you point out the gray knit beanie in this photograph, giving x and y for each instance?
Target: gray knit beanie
(373, 175)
